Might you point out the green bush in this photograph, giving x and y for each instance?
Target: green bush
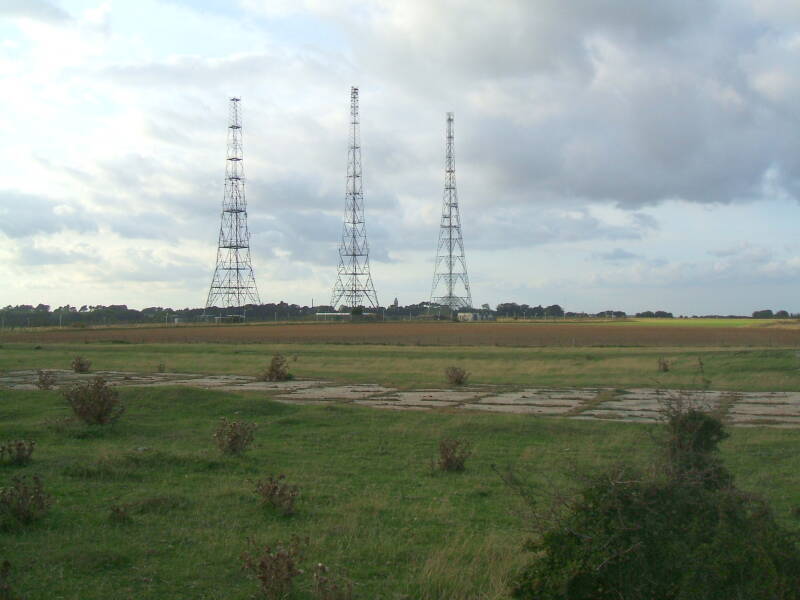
(680, 532)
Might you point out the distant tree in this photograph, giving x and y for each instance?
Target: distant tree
(782, 314)
(554, 311)
(763, 314)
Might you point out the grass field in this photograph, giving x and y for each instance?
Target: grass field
(741, 369)
(369, 503)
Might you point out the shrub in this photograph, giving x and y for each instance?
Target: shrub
(24, 501)
(45, 380)
(677, 533)
(17, 452)
(275, 492)
(275, 568)
(94, 402)
(690, 446)
(81, 365)
(663, 364)
(453, 454)
(329, 587)
(456, 375)
(278, 370)
(6, 593)
(234, 437)
(161, 367)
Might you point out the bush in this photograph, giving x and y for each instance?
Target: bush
(275, 568)
(629, 536)
(81, 365)
(690, 445)
(453, 454)
(24, 501)
(234, 437)
(45, 380)
(94, 402)
(663, 364)
(275, 492)
(278, 370)
(456, 375)
(678, 533)
(329, 587)
(17, 452)
(6, 592)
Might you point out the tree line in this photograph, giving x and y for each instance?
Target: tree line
(43, 315)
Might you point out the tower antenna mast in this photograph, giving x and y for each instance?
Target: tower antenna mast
(450, 269)
(354, 286)
(233, 284)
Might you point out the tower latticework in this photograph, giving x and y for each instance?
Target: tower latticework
(234, 284)
(354, 286)
(450, 282)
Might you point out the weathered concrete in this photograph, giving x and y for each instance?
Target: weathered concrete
(772, 409)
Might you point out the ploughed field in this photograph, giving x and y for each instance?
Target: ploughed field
(645, 332)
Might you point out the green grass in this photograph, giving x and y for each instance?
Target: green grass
(739, 369)
(369, 502)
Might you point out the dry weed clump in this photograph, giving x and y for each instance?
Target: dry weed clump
(23, 502)
(275, 568)
(278, 370)
(81, 365)
(456, 375)
(94, 402)
(453, 454)
(663, 365)
(234, 437)
(45, 379)
(327, 586)
(119, 514)
(276, 493)
(17, 452)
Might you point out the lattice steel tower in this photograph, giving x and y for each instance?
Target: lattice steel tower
(354, 286)
(451, 265)
(234, 284)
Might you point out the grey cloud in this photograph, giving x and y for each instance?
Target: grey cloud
(23, 215)
(41, 10)
(650, 101)
(616, 255)
(33, 256)
(521, 227)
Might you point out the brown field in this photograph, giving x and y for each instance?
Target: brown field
(430, 334)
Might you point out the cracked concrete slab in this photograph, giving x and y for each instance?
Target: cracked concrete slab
(772, 409)
(339, 392)
(537, 397)
(434, 397)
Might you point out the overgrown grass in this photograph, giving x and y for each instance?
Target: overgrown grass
(370, 505)
(739, 369)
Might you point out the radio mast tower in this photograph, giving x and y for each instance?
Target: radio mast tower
(451, 266)
(234, 284)
(353, 286)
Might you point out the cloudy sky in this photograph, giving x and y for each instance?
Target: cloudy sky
(609, 153)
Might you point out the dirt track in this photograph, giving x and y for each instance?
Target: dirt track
(432, 333)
